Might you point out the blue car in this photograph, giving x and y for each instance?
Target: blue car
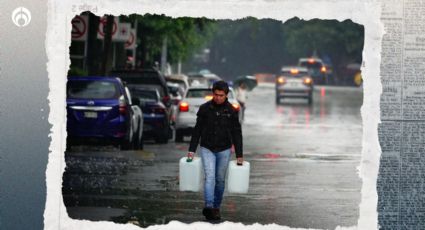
(100, 110)
(155, 114)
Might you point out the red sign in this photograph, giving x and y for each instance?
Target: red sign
(102, 24)
(79, 28)
(129, 44)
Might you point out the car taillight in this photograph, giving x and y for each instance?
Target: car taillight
(323, 69)
(281, 80)
(307, 81)
(122, 105)
(184, 107)
(236, 106)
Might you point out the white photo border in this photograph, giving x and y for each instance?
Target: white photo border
(58, 40)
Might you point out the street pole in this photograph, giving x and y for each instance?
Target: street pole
(107, 44)
(179, 66)
(86, 42)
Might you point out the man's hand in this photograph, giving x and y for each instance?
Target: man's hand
(190, 156)
(239, 160)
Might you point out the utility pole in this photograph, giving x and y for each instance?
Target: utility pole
(107, 45)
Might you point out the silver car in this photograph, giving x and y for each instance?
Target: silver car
(189, 106)
(294, 82)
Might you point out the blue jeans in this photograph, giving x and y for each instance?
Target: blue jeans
(215, 167)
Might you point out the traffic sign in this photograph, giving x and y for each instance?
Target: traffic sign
(79, 28)
(102, 24)
(131, 42)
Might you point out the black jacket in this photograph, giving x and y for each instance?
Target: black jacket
(218, 128)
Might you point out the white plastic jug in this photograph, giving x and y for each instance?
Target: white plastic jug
(238, 177)
(190, 174)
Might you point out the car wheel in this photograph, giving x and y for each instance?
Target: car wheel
(179, 136)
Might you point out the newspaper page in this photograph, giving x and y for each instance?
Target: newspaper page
(401, 132)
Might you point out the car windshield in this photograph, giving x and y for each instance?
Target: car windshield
(198, 81)
(180, 82)
(147, 95)
(80, 89)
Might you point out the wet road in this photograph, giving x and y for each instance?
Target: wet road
(303, 169)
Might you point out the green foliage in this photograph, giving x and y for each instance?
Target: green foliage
(184, 36)
(336, 39)
(250, 45)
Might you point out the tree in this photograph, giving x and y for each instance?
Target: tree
(341, 41)
(184, 36)
(249, 45)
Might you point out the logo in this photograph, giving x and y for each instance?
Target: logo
(21, 16)
(90, 103)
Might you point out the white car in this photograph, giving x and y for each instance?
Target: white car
(189, 106)
(294, 82)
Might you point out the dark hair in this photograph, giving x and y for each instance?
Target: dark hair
(221, 85)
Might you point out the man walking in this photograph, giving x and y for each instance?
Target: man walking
(218, 127)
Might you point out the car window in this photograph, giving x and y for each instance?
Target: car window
(294, 74)
(147, 95)
(198, 81)
(193, 93)
(315, 65)
(80, 89)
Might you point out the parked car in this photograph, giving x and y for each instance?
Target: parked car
(212, 78)
(189, 106)
(177, 92)
(197, 80)
(180, 79)
(145, 78)
(148, 78)
(156, 117)
(316, 69)
(293, 82)
(100, 109)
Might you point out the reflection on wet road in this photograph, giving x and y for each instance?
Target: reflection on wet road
(303, 169)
